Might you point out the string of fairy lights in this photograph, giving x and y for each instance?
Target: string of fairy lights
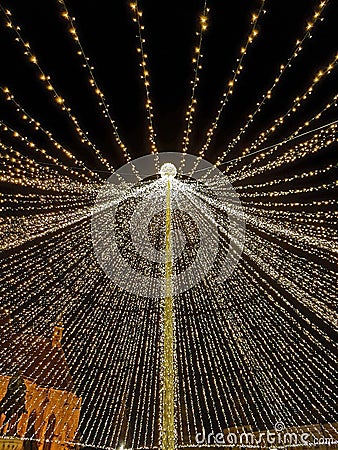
(252, 35)
(144, 72)
(253, 351)
(197, 66)
(315, 19)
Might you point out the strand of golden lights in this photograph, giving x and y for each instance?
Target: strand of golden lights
(25, 171)
(242, 352)
(255, 350)
(321, 140)
(267, 386)
(282, 70)
(42, 153)
(228, 92)
(296, 103)
(104, 107)
(126, 350)
(197, 66)
(49, 87)
(36, 125)
(144, 74)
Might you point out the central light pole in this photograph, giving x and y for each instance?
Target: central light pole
(168, 171)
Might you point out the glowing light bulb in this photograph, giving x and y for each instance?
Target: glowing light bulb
(168, 170)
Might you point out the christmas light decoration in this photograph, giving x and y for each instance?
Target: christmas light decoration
(220, 312)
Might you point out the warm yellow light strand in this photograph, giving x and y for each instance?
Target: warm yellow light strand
(46, 81)
(268, 94)
(296, 103)
(197, 66)
(104, 107)
(137, 15)
(25, 116)
(253, 33)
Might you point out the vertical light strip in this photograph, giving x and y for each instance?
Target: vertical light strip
(168, 410)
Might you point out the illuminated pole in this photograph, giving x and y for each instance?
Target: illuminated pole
(168, 402)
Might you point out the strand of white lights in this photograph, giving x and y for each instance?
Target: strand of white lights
(256, 321)
(27, 163)
(314, 218)
(287, 346)
(316, 239)
(268, 94)
(27, 290)
(46, 81)
(191, 350)
(37, 127)
(303, 273)
(208, 408)
(186, 388)
(324, 138)
(23, 171)
(228, 165)
(127, 357)
(208, 323)
(46, 167)
(204, 362)
(182, 425)
(241, 340)
(257, 250)
(24, 257)
(296, 103)
(137, 15)
(228, 92)
(273, 316)
(83, 375)
(248, 318)
(136, 399)
(261, 154)
(323, 243)
(324, 186)
(275, 230)
(192, 383)
(304, 269)
(30, 177)
(50, 286)
(104, 107)
(285, 225)
(211, 314)
(20, 229)
(35, 202)
(143, 402)
(44, 200)
(276, 181)
(190, 391)
(322, 351)
(294, 204)
(128, 389)
(197, 66)
(36, 368)
(259, 369)
(290, 154)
